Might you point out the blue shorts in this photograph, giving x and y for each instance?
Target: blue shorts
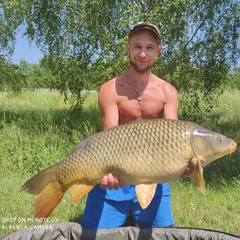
(109, 208)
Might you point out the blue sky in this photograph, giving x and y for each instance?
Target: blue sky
(25, 50)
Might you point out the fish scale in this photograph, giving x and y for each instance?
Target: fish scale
(141, 153)
(139, 135)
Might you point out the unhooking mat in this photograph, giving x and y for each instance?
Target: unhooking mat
(74, 231)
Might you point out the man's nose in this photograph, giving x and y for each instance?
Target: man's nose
(142, 54)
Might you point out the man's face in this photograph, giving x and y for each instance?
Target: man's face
(142, 50)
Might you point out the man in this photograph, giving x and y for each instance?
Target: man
(136, 94)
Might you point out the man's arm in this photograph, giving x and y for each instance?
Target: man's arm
(170, 110)
(107, 101)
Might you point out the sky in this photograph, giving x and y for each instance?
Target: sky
(25, 50)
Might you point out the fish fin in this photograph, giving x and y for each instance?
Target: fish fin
(197, 176)
(38, 182)
(145, 193)
(49, 192)
(80, 190)
(47, 201)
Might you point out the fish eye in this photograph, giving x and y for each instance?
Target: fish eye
(219, 138)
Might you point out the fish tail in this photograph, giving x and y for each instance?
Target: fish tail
(46, 202)
(49, 192)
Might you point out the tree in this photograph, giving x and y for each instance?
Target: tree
(233, 79)
(80, 37)
(11, 77)
(36, 76)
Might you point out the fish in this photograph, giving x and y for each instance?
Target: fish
(142, 153)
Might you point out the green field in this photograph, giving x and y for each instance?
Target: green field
(38, 129)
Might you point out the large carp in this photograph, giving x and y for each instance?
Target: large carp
(141, 153)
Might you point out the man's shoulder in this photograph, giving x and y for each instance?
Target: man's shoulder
(108, 85)
(111, 84)
(165, 86)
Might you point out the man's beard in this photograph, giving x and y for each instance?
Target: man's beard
(140, 69)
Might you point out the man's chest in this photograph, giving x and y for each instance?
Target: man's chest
(130, 109)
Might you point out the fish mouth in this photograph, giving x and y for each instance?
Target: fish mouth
(233, 148)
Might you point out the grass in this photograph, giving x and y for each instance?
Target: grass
(38, 129)
(218, 210)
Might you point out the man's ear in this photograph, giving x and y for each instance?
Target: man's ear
(159, 50)
(127, 48)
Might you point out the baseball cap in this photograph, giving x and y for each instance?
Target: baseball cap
(145, 26)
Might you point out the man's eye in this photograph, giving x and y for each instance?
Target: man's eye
(150, 48)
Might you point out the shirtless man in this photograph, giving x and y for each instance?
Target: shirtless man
(136, 94)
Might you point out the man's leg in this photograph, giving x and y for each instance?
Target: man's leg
(104, 213)
(158, 213)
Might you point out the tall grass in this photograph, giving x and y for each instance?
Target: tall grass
(38, 129)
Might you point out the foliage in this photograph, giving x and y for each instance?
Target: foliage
(233, 79)
(70, 75)
(24, 76)
(85, 40)
(36, 76)
(11, 77)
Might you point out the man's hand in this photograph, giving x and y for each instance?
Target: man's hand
(111, 182)
(187, 172)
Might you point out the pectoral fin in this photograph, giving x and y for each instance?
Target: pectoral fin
(80, 190)
(197, 176)
(145, 193)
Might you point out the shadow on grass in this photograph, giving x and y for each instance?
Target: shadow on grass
(67, 119)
